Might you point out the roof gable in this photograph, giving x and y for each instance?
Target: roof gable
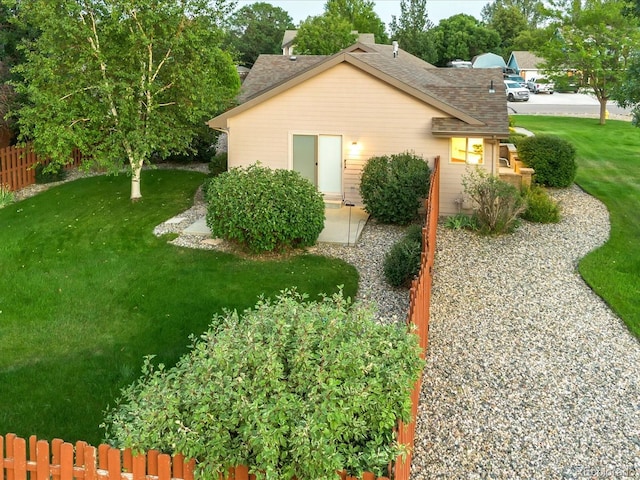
(525, 60)
(461, 94)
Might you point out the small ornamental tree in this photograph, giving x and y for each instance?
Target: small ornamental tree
(290, 389)
(264, 209)
(497, 204)
(392, 187)
(552, 158)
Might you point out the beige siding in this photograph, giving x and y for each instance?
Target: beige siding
(348, 102)
(451, 175)
(379, 118)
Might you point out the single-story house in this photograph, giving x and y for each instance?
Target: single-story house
(525, 64)
(325, 116)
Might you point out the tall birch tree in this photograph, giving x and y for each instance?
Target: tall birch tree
(123, 79)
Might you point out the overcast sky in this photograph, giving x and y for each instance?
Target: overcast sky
(436, 9)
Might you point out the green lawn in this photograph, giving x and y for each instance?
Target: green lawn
(608, 168)
(86, 290)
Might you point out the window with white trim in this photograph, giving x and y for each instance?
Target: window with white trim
(467, 151)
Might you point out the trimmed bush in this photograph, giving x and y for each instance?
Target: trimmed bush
(218, 164)
(392, 187)
(515, 138)
(290, 389)
(264, 209)
(553, 159)
(498, 203)
(541, 208)
(402, 262)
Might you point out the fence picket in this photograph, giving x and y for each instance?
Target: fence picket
(139, 467)
(42, 458)
(114, 467)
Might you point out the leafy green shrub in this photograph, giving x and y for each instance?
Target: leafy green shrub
(218, 164)
(288, 389)
(515, 138)
(6, 196)
(201, 149)
(50, 173)
(392, 186)
(497, 203)
(264, 209)
(541, 208)
(461, 221)
(402, 261)
(552, 158)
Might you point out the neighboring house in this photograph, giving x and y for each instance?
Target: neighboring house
(489, 60)
(325, 116)
(289, 40)
(525, 64)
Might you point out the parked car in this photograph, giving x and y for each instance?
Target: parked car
(567, 84)
(515, 78)
(516, 92)
(540, 85)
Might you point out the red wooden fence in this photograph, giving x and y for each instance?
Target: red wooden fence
(17, 165)
(418, 318)
(39, 460)
(61, 461)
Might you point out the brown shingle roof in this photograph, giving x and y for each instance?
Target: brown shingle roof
(527, 60)
(461, 94)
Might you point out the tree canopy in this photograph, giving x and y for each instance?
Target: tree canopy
(258, 28)
(123, 80)
(532, 10)
(596, 40)
(627, 92)
(509, 22)
(462, 36)
(411, 29)
(324, 35)
(361, 15)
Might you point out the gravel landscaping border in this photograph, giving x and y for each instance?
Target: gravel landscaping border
(529, 374)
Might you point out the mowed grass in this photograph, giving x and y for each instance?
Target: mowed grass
(87, 290)
(609, 169)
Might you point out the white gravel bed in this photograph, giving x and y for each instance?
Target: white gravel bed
(529, 374)
(368, 256)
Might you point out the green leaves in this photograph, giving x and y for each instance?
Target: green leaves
(552, 158)
(392, 186)
(264, 209)
(497, 203)
(288, 388)
(122, 80)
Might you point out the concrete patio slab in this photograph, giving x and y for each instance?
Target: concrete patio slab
(342, 225)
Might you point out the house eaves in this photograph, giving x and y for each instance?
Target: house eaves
(220, 122)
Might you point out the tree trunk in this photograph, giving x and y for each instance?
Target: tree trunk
(603, 110)
(136, 170)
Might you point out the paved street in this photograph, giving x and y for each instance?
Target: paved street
(566, 103)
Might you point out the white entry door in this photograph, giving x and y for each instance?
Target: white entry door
(330, 165)
(319, 159)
